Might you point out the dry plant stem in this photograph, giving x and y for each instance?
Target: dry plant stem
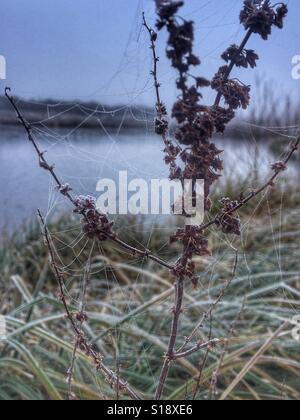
(179, 286)
(216, 374)
(42, 161)
(134, 251)
(70, 375)
(208, 313)
(82, 303)
(269, 184)
(179, 289)
(203, 364)
(45, 165)
(232, 64)
(197, 347)
(214, 380)
(96, 358)
(154, 71)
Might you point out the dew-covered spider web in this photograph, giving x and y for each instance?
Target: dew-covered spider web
(104, 140)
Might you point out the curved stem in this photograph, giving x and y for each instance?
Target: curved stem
(170, 355)
(97, 359)
(268, 184)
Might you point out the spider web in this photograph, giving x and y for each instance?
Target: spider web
(84, 156)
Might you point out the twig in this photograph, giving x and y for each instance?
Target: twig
(81, 340)
(81, 317)
(200, 346)
(179, 288)
(146, 253)
(216, 374)
(153, 37)
(70, 373)
(232, 64)
(268, 184)
(203, 364)
(209, 312)
(214, 379)
(170, 149)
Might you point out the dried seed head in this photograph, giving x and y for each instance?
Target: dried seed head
(279, 166)
(259, 16)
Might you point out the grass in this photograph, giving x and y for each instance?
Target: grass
(130, 311)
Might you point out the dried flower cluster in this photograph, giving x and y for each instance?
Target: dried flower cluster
(95, 225)
(241, 58)
(196, 122)
(259, 16)
(235, 93)
(229, 220)
(196, 125)
(279, 166)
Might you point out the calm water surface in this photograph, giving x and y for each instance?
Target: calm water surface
(83, 158)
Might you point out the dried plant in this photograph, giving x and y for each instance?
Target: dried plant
(191, 154)
(196, 125)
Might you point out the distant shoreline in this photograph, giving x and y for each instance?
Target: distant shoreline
(91, 115)
(60, 114)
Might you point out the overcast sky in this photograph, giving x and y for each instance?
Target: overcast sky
(97, 49)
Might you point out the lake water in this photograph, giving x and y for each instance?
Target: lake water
(82, 158)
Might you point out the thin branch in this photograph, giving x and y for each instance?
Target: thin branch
(179, 286)
(70, 373)
(153, 36)
(179, 289)
(232, 64)
(82, 317)
(268, 184)
(214, 379)
(81, 340)
(203, 364)
(160, 108)
(42, 161)
(209, 312)
(216, 373)
(200, 346)
(146, 253)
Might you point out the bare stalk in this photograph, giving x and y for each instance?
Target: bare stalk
(200, 346)
(169, 358)
(81, 340)
(209, 312)
(232, 64)
(81, 318)
(70, 372)
(281, 166)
